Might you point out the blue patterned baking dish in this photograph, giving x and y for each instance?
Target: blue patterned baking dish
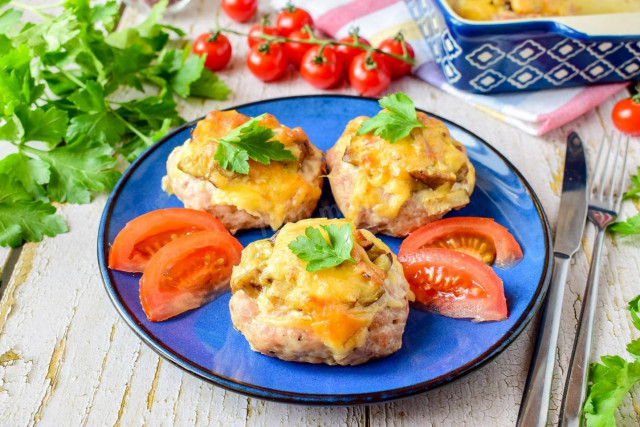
(529, 54)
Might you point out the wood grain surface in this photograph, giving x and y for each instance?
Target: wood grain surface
(66, 357)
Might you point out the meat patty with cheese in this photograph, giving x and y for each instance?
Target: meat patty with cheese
(268, 195)
(344, 315)
(394, 188)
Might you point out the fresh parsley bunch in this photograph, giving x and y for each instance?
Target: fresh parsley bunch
(612, 379)
(58, 79)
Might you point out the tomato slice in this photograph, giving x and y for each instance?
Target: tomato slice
(145, 235)
(187, 273)
(454, 284)
(482, 238)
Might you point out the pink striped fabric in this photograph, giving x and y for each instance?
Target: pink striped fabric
(337, 18)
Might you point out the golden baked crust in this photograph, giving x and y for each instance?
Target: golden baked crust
(396, 188)
(343, 315)
(269, 195)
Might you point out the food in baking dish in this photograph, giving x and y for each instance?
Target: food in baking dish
(394, 188)
(508, 9)
(268, 195)
(344, 315)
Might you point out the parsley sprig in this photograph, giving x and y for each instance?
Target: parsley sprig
(249, 141)
(632, 225)
(394, 124)
(612, 379)
(320, 253)
(58, 81)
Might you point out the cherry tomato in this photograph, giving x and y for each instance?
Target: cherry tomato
(187, 273)
(143, 236)
(292, 18)
(321, 70)
(217, 48)
(482, 238)
(347, 53)
(369, 75)
(240, 10)
(295, 50)
(267, 61)
(395, 45)
(626, 115)
(454, 284)
(260, 29)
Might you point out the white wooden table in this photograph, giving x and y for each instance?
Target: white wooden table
(66, 357)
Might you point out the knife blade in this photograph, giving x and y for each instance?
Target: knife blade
(572, 216)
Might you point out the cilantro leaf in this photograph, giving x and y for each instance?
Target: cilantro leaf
(104, 127)
(78, 169)
(249, 141)
(634, 192)
(8, 19)
(22, 218)
(634, 310)
(49, 35)
(394, 124)
(320, 254)
(32, 173)
(627, 228)
(188, 73)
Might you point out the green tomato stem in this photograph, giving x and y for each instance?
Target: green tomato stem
(313, 40)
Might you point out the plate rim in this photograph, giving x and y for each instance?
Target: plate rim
(281, 396)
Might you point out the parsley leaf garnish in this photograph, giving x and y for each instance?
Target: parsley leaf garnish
(60, 78)
(612, 379)
(394, 124)
(22, 218)
(629, 227)
(249, 141)
(634, 192)
(321, 253)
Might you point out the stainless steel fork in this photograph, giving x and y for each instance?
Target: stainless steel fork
(604, 205)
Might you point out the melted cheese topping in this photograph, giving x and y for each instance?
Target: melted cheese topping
(272, 190)
(388, 174)
(337, 304)
(500, 9)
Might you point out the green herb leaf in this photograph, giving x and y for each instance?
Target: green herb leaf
(44, 126)
(626, 228)
(394, 124)
(78, 169)
(50, 35)
(22, 218)
(634, 192)
(210, 86)
(32, 173)
(187, 74)
(612, 379)
(320, 253)
(8, 19)
(249, 141)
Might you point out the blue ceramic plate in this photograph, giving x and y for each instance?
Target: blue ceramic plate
(435, 349)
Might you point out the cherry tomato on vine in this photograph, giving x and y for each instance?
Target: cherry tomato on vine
(240, 10)
(296, 50)
(395, 45)
(217, 48)
(321, 67)
(626, 115)
(292, 18)
(267, 61)
(259, 29)
(369, 75)
(347, 53)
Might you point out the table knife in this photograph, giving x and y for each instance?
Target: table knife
(571, 221)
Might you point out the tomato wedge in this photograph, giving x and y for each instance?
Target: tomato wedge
(482, 238)
(454, 284)
(187, 273)
(145, 235)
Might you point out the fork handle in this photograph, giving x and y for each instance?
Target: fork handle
(576, 385)
(537, 390)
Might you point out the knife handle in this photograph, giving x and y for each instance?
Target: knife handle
(535, 400)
